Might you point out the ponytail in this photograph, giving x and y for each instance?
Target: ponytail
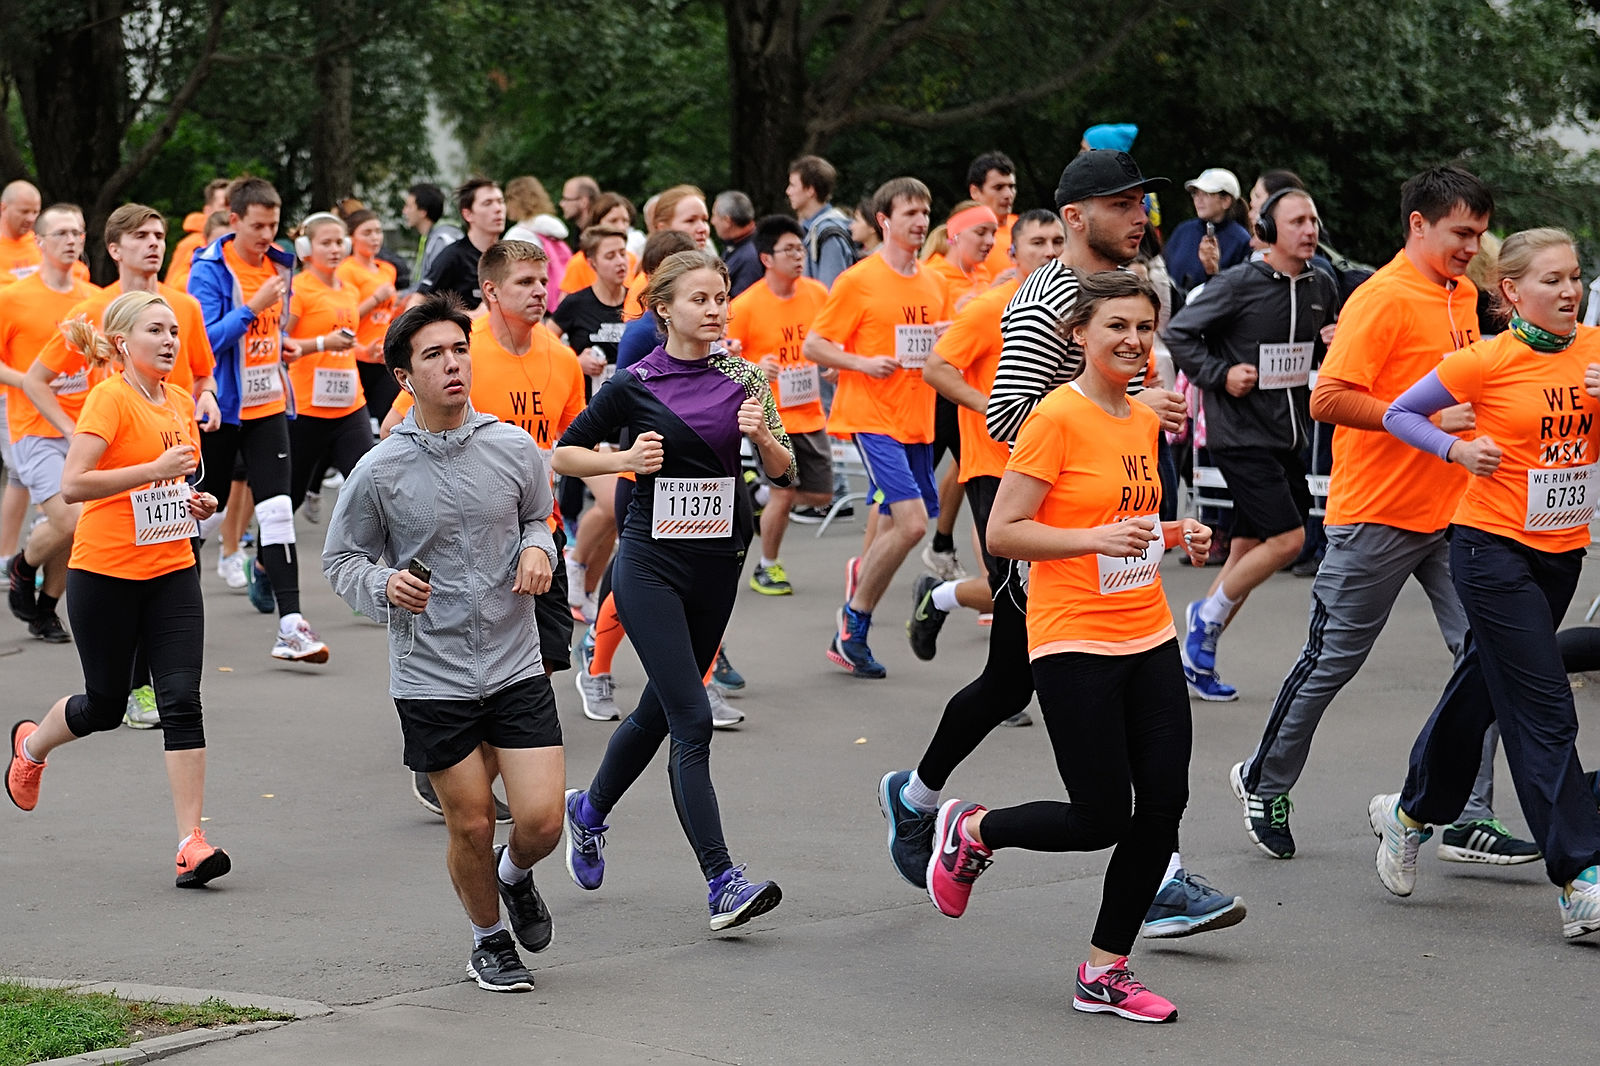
(95, 346)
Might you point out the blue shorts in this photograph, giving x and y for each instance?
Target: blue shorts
(897, 471)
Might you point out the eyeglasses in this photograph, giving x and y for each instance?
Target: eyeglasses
(53, 234)
(790, 249)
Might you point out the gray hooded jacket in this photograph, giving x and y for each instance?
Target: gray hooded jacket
(466, 502)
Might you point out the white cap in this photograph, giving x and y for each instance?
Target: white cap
(1215, 180)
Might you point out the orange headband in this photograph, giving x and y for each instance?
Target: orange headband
(965, 219)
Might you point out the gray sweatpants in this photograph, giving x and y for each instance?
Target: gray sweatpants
(1365, 567)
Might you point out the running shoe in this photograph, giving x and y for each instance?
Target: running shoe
(1485, 840)
(575, 579)
(852, 575)
(808, 516)
(502, 813)
(926, 619)
(1266, 818)
(22, 773)
(586, 864)
(24, 594)
(735, 900)
(956, 860)
(849, 645)
(311, 507)
(1398, 844)
(910, 830)
(231, 569)
(586, 647)
(1209, 687)
(1116, 992)
(497, 967)
(725, 675)
(1018, 720)
(141, 712)
(944, 564)
(530, 918)
(771, 580)
(586, 610)
(46, 626)
(300, 645)
(422, 788)
(598, 696)
(1199, 645)
(1580, 908)
(723, 714)
(199, 862)
(260, 586)
(1186, 905)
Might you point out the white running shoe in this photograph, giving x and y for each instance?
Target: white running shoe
(723, 714)
(1398, 844)
(1580, 908)
(943, 565)
(575, 575)
(333, 479)
(598, 695)
(230, 568)
(300, 645)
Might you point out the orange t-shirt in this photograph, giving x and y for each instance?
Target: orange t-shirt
(877, 312)
(962, 286)
(262, 392)
(1533, 405)
(375, 323)
(135, 431)
(1100, 469)
(633, 297)
(20, 257)
(580, 275)
(999, 260)
(194, 358)
(1393, 330)
(329, 377)
(182, 259)
(767, 324)
(972, 346)
(30, 315)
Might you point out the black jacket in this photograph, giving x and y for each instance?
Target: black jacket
(1238, 311)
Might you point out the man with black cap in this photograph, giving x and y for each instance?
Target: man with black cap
(1101, 202)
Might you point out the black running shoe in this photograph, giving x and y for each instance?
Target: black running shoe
(48, 628)
(910, 830)
(24, 597)
(496, 966)
(530, 918)
(1266, 818)
(926, 619)
(422, 788)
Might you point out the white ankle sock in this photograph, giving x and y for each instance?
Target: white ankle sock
(919, 797)
(510, 872)
(26, 754)
(1217, 607)
(944, 597)
(1173, 866)
(481, 933)
(1094, 973)
(287, 623)
(765, 562)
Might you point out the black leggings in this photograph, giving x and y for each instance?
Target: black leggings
(1006, 684)
(380, 387)
(264, 445)
(317, 443)
(1116, 722)
(114, 619)
(675, 606)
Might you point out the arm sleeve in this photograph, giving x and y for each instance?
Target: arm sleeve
(224, 326)
(357, 538)
(1186, 334)
(1407, 417)
(607, 412)
(1342, 403)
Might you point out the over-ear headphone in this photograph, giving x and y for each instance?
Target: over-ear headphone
(302, 243)
(1266, 225)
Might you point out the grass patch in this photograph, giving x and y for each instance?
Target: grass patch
(48, 1023)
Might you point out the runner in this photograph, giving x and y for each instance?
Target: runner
(769, 320)
(31, 310)
(612, 211)
(1388, 506)
(374, 282)
(1518, 538)
(678, 566)
(992, 182)
(422, 210)
(876, 330)
(681, 208)
(483, 209)
(19, 257)
(1079, 500)
(465, 670)
(1248, 340)
(241, 281)
(134, 584)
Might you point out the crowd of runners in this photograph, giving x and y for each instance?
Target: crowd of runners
(598, 424)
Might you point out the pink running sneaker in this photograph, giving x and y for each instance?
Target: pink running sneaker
(1116, 992)
(957, 859)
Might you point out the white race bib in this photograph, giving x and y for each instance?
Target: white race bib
(1120, 575)
(913, 345)
(161, 513)
(1561, 499)
(333, 387)
(262, 384)
(1284, 366)
(70, 384)
(798, 385)
(692, 508)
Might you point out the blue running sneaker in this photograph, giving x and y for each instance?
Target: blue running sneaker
(910, 830)
(1187, 905)
(735, 900)
(725, 675)
(1209, 687)
(585, 863)
(586, 647)
(261, 597)
(1199, 647)
(849, 646)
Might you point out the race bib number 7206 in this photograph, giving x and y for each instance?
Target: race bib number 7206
(692, 508)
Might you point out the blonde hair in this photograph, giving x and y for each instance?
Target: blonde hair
(526, 197)
(937, 243)
(664, 282)
(1516, 259)
(1481, 269)
(667, 204)
(121, 316)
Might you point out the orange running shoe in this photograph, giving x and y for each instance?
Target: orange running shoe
(199, 862)
(22, 775)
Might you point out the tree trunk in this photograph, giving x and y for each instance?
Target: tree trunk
(333, 171)
(767, 75)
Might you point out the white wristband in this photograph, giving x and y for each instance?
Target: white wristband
(319, 342)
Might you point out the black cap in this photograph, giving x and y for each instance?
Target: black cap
(1101, 172)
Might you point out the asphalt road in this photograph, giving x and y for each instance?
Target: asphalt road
(339, 891)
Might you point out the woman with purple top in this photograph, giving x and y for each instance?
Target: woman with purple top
(678, 560)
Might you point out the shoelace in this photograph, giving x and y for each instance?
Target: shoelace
(590, 841)
(1278, 812)
(606, 685)
(1209, 635)
(918, 831)
(505, 955)
(1496, 825)
(1198, 887)
(733, 886)
(970, 862)
(776, 572)
(1123, 980)
(145, 698)
(30, 770)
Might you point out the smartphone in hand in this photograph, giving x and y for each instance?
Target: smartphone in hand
(420, 571)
